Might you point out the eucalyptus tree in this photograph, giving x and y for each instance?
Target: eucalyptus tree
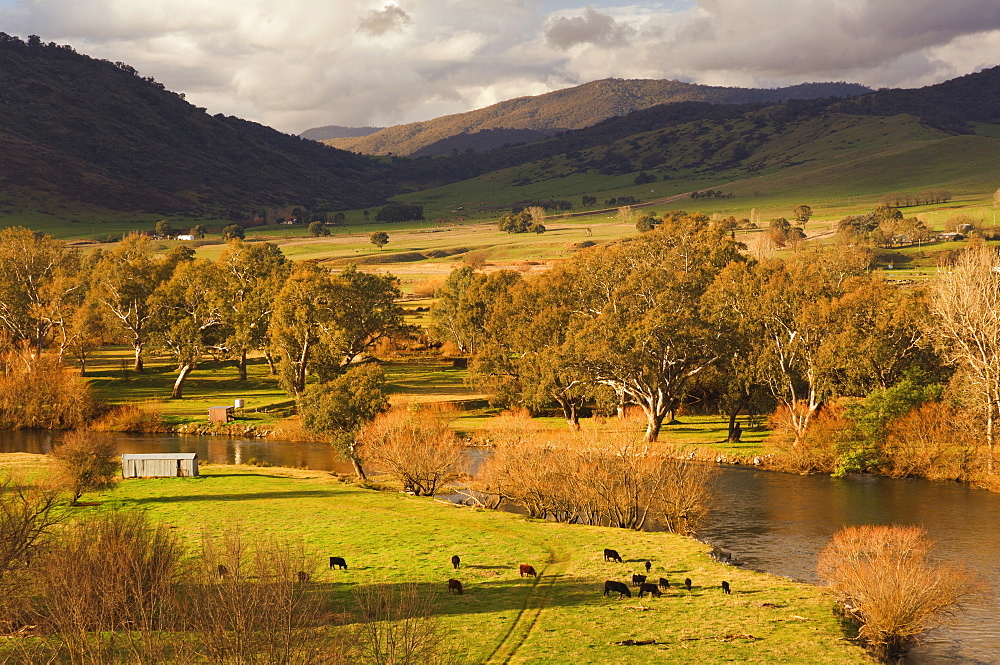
(191, 324)
(40, 286)
(323, 323)
(123, 281)
(639, 326)
(250, 276)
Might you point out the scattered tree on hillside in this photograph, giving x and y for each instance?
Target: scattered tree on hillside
(318, 228)
(802, 213)
(399, 212)
(165, 229)
(380, 239)
(233, 231)
(198, 230)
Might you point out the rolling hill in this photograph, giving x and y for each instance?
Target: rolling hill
(84, 132)
(534, 118)
(337, 132)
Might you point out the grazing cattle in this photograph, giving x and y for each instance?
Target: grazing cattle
(223, 571)
(338, 562)
(648, 566)
(456, 586)
(611, 555)
(651, 589)
(664, 583)
(456, 562)
(618, 587)
(528, 570)
(687, 583)
(303, 576)
(638, 579)
(725, 588)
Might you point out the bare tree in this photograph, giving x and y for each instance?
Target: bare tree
(416, 447)
(965, 303)
(886, 581)
(86, 462)
(397, 625)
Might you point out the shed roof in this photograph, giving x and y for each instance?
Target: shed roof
(160, 456)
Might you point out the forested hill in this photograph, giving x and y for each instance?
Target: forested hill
(571, 108)
(77, 129)
(337, 132)
(948, 106)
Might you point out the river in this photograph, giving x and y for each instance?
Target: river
(772, 522)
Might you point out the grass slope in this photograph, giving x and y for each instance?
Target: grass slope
(559, 618)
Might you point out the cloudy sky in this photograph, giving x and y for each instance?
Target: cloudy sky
(296, 64)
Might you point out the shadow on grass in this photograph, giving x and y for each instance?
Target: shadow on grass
(489, 597)
(294, 494)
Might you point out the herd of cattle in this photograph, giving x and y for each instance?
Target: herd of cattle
(610, 586)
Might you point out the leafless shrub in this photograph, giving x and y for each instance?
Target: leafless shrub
(414, 446)
(27, 516)
(85, 462)
(397, 625)
(612, 478)
(37, 391)
(106, 587)
(128, 418)
(886, 580)
(258, 612)
(933, 441)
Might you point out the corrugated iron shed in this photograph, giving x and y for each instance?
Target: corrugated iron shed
(159, 465)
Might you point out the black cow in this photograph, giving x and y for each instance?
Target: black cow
(617, 587)
(725, 588)
(648, 566)
(651, 589)
(456, 562)
(611, 555)
(338, 562)
(638, 579)
(664, 583)
(687, 583)
(223, 571)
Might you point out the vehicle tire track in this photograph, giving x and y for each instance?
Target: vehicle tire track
(534, 602)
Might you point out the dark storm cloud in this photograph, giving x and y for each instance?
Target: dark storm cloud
(380, 21)
(591, 28)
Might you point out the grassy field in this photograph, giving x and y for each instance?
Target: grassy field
(392, 538)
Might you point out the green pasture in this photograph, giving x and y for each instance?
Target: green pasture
(562, 617)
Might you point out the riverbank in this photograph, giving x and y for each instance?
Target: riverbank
(560, 618)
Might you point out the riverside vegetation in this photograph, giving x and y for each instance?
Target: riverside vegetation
(858, 373)
(163, 599)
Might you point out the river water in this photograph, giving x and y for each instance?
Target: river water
(772, 522)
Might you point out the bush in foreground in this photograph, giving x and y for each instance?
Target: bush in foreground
(887, 582)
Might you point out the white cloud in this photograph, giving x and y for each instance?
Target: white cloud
(298, 63)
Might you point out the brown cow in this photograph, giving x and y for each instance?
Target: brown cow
(455, 585)
(528, 570)
(223, 571)
(303, 576)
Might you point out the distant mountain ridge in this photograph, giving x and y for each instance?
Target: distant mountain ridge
(571, 108)
(337, 132)
(78, 129)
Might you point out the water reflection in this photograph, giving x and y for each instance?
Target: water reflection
(779, 522)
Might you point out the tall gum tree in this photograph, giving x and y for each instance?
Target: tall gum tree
(191, 321)
(639, 327)
(965, 304)
(124, 280)
(250, 277)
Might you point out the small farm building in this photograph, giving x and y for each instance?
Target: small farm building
(220, 414)
(159, 465)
